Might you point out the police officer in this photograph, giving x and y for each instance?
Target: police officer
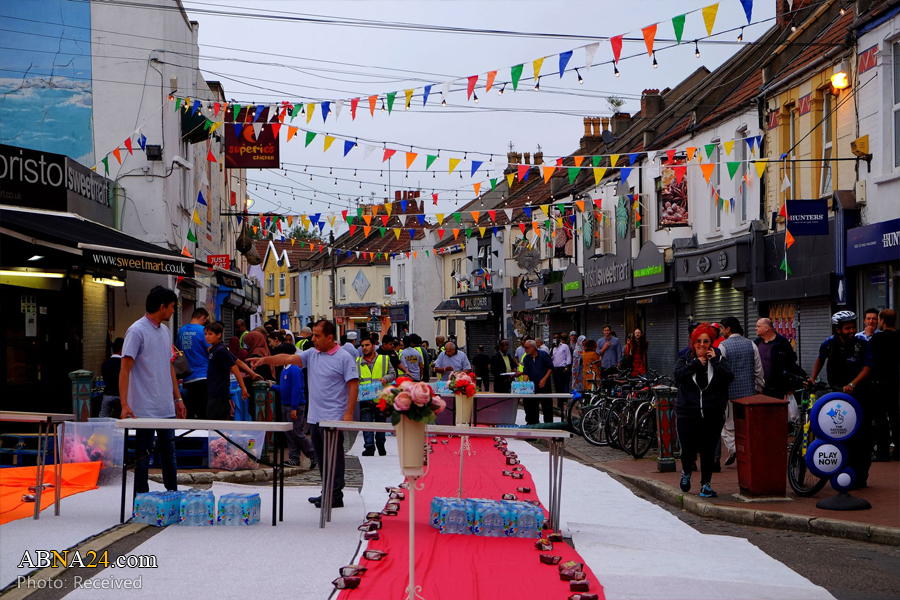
(375, 372)
(847, 360)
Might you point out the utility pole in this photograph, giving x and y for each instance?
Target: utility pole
(333, 272)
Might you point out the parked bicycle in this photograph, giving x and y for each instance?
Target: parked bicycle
(802, 481)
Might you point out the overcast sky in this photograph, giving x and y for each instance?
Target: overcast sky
(366, 61)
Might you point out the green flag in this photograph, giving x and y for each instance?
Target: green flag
(457, 216)
(733, 167)
(359, 212)
(207, 125)
(429, 159)
(350, 219)
(177, 104)
(595, 160)
(310, 136)
(468, 233)
(390, 97)
(678, 26)
(296, 110)
(105, 162)
(785, 266)
(493, 184)
(235, 110)
(573, 173)
(710, 148)
(516, 72)
(427, 254)
(191, 237)
(381, 230)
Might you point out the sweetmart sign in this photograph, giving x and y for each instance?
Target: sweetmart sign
(144, 264)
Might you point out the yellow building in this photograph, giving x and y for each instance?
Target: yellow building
(276, 288)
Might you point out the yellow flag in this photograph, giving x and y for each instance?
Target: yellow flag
(310, 108)
(397, 232)
(546, 209)
(760, 167)
(509, 180)
(328, 141)
(214, 126)
(559, 222)
(440, 218)
(389, 206)
(709, 16)
(599, 172)
(292, 242)
(613, 159)
(196, 218)
(482, 230)
(331, 221)
(453, 163)
(409, 94)
(728, 146)
(537, 67)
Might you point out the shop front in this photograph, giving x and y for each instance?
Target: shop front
(717, 281)
(653, 306)
(354, 317)
(873, 252)
(607, 280)
(482, 315)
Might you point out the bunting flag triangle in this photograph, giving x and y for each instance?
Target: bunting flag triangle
(352, 229)
(522, 227)
(559, 164)
(493, 215)
(786, 183)
(328, 141)
(118, 155)
(354, 103)
(196, 218)
(678, 26)
(509, 214)
(580, 205)
(748, 9)
(589, 52)
(477, 188)
(338, 105)
(201, 199)
(493, 183)
(546, 209)
(348, 146)
(709, 17)
(786, 267)
(788, 239)
(410, 159)
(255, 230)
(599, 172)
(425, 94)
(259, 111)
(537, 66)
(421, 219)
(732, 168)
(384, 219)
(292, 242)
(128, 145)
(453, 162)
(292, 131)
(578, 160)
(649, 36)
(430, 158)
(616, 43)
(470, 87)
(548, 172)
(509, 179)
(310, 136)
(390, 101)
(624, 173)
(142, 142)
(440, 218)
(403, 204)
(468, 232)
(397, 231)
(516, 74)
(310, 109)
(564, 58)
(185, 252)
(783, 211)
(613, 159)
(257, 129)
(367, 219)
(595, 160)
(457, 217)
(707, 169)
(440, 234)
(326, 108)
(750, 141)
(527, 210)
(710, 148)
(389, 206)
(190, 236)
(434, 199)
(573, 174)
(367, 230)
(690, 150)
(729, 145)
(375, 208)
(680, 171)
(475, 215)
(177, 104)
(408, 94)
(455, 233)
(388, 153)
(344, 215)
(481, 231)
(760, 167)
(373, 100)
(216, 125)
(522, 172)
(476, 164)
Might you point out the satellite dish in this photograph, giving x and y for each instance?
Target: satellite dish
(608, 137)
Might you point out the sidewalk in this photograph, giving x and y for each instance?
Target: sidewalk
(880, 524)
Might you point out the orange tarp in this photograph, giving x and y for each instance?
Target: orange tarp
(14, 483)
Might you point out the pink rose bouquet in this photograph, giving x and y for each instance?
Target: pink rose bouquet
(462, 382)
(414, 400)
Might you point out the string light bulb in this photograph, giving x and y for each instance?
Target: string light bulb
(843, 11)
(354, 172)
(655, 64)
(580, 78)
(381, 175)
(382, 106)
(501, 90)
(443, 102)
(335, 182)
(537, 84)
(741, 34)
(491, 160)
(696, 49)
(475, 96)
(615, 69)
(330, 171)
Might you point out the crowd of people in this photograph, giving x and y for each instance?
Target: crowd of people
(318, 376)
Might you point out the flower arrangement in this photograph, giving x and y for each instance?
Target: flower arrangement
(414, 400)
(462, 382)
(223, 455)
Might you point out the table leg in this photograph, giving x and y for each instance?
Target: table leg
(124, 475)
(550, 508)
(275, 481)
(335, 436)
(281, 478)
(561, 445)
(411, 589)
(326, 448)
(57, 463)
(40, 471)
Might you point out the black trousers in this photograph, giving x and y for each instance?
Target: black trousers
(195, 399)
(887, 419)
(699, 435)
(318, 440)
(532, 413)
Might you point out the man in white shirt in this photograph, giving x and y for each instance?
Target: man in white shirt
(562, 363)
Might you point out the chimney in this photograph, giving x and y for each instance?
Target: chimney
(587, 127)
(605, 121)
(511, 159)
(651, 104)
(786, 13)
(620, 123)
(538, 158)
(519, 158)
(595, 125)
(528, 158)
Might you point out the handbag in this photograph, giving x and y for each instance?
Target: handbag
(180, 362)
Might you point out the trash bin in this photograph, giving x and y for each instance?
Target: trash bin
(759, 437)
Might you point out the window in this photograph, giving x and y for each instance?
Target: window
(282, 284)
(270, 285)
(825, 128)
(896, 63)
(740, 151)
(342, 288)
(483, 260)
(387, 284)
(793, 192)
(717, 182)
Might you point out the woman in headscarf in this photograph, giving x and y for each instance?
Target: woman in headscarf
(578, 365)
(234, 345)
(257, 346)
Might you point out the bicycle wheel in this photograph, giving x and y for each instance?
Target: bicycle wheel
(574, 411)
(593, 425)
(803, 482)
(644, 434)
(612, 423)
(626, 429)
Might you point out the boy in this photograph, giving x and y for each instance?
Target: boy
(112, 366)
(291, 388)
(220, 405)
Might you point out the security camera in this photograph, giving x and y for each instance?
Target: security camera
(180, 162)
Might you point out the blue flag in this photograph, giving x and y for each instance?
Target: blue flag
(476, 164)
(195, 108)
(527, 211)
(748, 9)
(348, 146)
(425, 96)
(200, 199)
(563, 61)
(326, 108)
(412, 234)
(403, 204)
(632, 157)
(259, 109)
(238, 129)
(421, 219)
(142, 142)
(624, 173)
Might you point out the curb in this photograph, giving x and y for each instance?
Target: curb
(207, 477)
(850, 530)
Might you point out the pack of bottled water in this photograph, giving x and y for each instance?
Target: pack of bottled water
(198, 507)
(238, 509)
(157, 508)
(487, 518)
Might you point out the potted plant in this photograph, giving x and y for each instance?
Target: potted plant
(412, 406)
(462, 383)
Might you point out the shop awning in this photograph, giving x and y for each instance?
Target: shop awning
(447, 306)
(99, 245)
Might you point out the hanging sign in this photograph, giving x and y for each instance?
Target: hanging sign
(807, 217)
(223, 261)
(251, 144)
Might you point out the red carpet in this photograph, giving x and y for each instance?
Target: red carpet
(464, 567)
(15, 481)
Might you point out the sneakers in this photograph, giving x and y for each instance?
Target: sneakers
(685, 482)
(315, 499)
(707, 492)
(335, 503)
(730, 460)
(313, 465)
(381, 450)
(291, 462)
(368, 452)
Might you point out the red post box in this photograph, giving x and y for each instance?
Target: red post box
(759, 437)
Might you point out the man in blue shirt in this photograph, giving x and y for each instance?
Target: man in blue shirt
(537, 367)
(610, 350)
(190, 339)
(292, 386)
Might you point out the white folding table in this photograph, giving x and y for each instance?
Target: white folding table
(51, 421)
(217, 426)
(505, 397)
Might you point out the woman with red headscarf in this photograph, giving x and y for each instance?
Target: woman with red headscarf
(703, 376)
(258, 346)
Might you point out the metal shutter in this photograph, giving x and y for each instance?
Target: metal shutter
(681, 327)
(713, 301)
(663, 348)
(227, 314)
(813, 328)
(485, 333)
(614, 317)
(561, 321)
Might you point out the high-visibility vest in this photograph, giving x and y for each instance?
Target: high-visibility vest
(302, 344)
(241, 339)
(375, 372)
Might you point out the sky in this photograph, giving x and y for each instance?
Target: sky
(266, 61)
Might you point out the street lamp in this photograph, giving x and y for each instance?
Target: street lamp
(840, 78)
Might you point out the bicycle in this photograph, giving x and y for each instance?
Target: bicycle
(593, 422)
(581, 400)
(646, 420)
(802, 481)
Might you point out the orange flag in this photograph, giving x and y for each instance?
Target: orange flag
(580, 205)
(292, 131)
(455, 233)
(578, 160)
(475, 214)
(649, 35)
(118, 155)
(707, 170)
(690, 152)
(788, 239)
(367, 230)
(548, 172)
(410, 158)
(372, 101)
(477, 187)
(368, 220)
(490, 80)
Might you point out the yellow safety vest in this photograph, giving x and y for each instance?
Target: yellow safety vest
(303, 344)
(375, 372)
(241, 339)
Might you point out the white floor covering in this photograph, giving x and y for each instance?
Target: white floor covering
(637, 550)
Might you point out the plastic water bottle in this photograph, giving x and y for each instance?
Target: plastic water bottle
(528, 522)
(221, 518)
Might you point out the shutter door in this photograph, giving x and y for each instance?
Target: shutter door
(713, 301)
(485, 333)
(228, 320)
(814, 328)
(614, 317)
(561, 321)
(662, 350)
(681, 327)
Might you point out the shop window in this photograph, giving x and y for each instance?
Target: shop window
(896, 109)
(825, 128)
(282, 284)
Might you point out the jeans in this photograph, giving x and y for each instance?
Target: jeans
(111, 407)
(699, 435)
(195, 399)
(369, 413)
(165, 447)
(318, 440)
(296, 439)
